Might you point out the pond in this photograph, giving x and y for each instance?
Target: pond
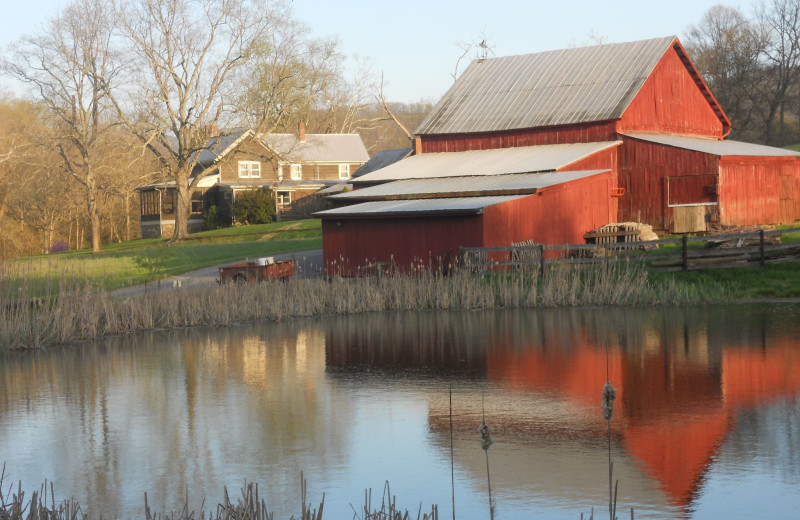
(706, 423)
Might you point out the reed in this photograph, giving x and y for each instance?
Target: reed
(42, 506)
(74, 308)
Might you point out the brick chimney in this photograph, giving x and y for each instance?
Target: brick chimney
(417, 146)
(301, 130)
(212, 130)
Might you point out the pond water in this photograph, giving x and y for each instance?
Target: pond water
(706, 423)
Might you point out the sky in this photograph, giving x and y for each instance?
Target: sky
(414, 42)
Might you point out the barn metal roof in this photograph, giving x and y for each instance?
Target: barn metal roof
(411, 208)
(464, 186)
(524, 159)
(715, 146)
(333, 148)
(382, 159)
(560, 87)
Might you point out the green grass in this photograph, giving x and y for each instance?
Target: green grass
(144, 260)
(770, 281)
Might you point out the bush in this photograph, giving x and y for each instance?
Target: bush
(253, 207)
(58, 246)
(216, 218)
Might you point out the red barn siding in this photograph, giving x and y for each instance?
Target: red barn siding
(557, 215)
(642, 169)
(759, 190)
(406, 241)
(604, 160)
(585, 133)
(670, 101)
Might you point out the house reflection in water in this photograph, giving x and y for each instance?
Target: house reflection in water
(682, 377)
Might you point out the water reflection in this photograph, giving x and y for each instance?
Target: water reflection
(707, 402)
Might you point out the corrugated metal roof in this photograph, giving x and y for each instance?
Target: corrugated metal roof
(462, 206)
(524, 159)
(382, 159)
(558, 87)
(318, 147)
(453, 186)
(336, 188)
(714, 146)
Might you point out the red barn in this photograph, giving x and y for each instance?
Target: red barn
(598, 134)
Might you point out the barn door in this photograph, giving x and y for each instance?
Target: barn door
(691, 200)
(787, 200)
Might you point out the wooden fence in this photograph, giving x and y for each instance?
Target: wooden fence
(759, 247)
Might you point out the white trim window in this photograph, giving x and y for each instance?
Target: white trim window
(249, 170)
(283, 198)
(344, 171)
(296, 171)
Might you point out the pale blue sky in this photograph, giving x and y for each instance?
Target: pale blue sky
(414, 41)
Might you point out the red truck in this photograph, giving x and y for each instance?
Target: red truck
(258, 270)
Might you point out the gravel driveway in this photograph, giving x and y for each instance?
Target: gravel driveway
(309, 265)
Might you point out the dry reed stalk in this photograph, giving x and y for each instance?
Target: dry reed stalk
(80, 311)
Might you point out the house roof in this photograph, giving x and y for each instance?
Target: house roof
(523, 159)
(382, 159)
(332, 148)
(561, 87)
(415, 208)
(464, 186)
(715, 146)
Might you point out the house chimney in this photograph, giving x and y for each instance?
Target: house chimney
(301, 129)
(417, 146)
(212, 130)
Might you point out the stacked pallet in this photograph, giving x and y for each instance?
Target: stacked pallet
(621, 232)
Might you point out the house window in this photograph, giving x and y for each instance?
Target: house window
(197, 206)
(344, 171)
(249, 169)
(296, 172)
(150, 203)
(168, 201)
(284, 198)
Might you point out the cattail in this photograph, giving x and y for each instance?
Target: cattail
(609, 395)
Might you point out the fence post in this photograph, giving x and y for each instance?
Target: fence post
(762, 260)
(541, 260)
(685, 254)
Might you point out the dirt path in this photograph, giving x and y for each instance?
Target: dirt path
(309, 265)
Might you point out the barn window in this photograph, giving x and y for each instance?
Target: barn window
(296, 171)
(344, 171)
(249, 169)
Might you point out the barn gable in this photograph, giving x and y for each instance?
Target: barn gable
(674, 99)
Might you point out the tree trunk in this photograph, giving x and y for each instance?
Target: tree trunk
(182, 207)
(127, 216)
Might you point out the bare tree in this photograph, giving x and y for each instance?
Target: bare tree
(781, 21)
(63, 65)
(186, 52)
(727, 49)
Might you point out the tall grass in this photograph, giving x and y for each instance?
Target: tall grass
(249, 506)
(75, 310)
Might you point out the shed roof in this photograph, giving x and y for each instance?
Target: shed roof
(333, 148)
(417, 207)
(464, 186)
(382, 159)
(715, 146)
(560, 87)
(524, 159)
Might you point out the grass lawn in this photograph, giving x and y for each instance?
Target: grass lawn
(770, 281)
(139, 261)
